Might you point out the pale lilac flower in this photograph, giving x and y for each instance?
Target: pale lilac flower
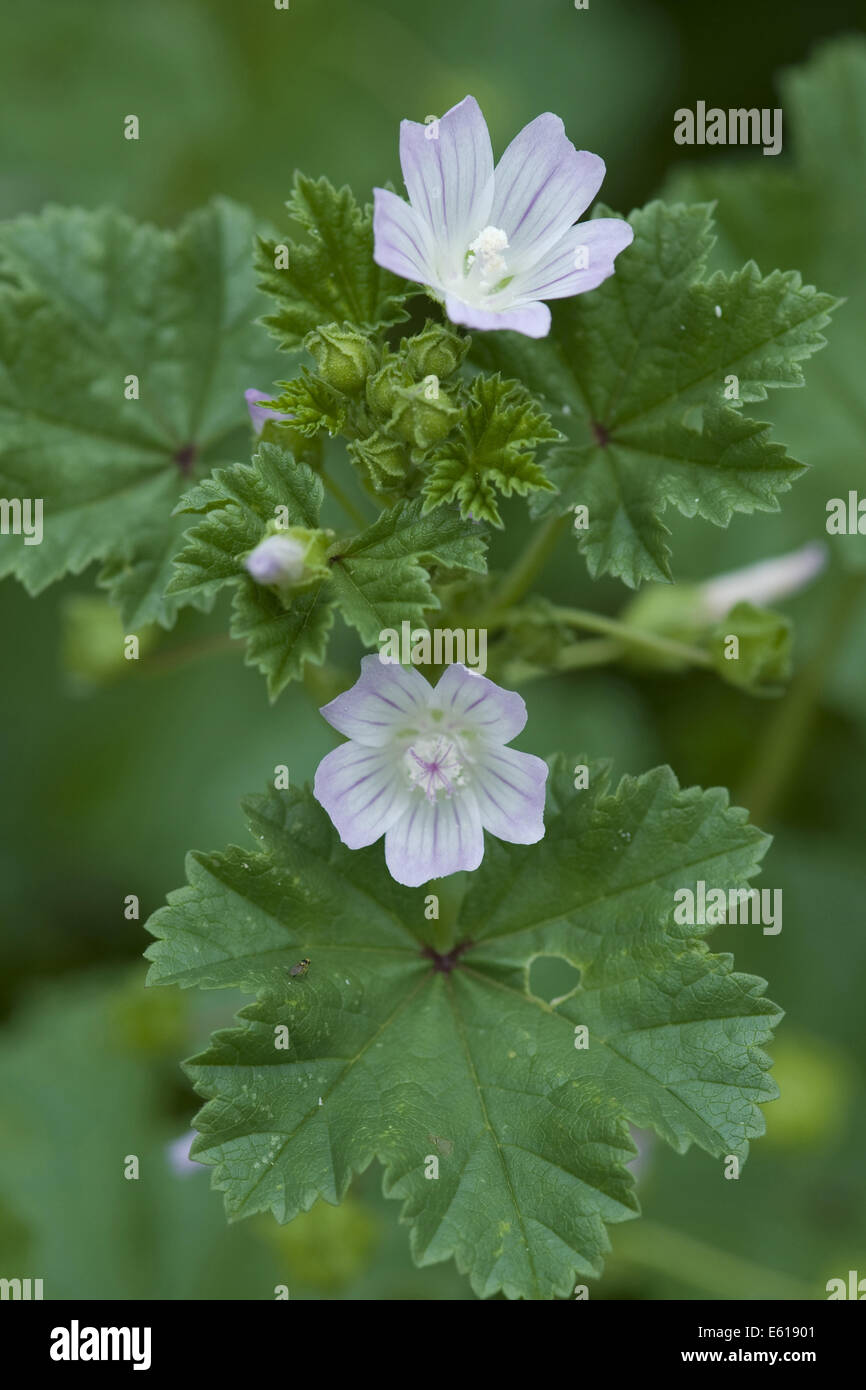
(493, 244)
(277, 560)
(764, 582)
(260, 413)
(177, 1153)
(428, 768)
(644, 1140)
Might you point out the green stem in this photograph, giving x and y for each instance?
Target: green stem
(527, 565)
(783, 745)
(691, 1261)
(624, 634)
(632, 636)
(595, 651)
(345, 502)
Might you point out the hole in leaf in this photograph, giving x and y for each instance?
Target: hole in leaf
(550, 977)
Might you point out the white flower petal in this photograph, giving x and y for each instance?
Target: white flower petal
(434, 839)
(467, 698)
(533, 320)
(363, 790)
(510, 791)
(556, 276)
(402, 239)
(385, 699)
(542, 185)
(450, 179)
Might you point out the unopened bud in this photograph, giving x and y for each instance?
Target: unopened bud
(344, 357)
(422, 419)
(435, 352)
(384, 388)
(384, 458)
(764, 582)
(277, 560)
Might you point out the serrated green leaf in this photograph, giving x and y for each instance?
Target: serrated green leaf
(492, 450)
(100, 298)
(332, 277)
(381, 577)
(636, 373)
(381, 1044)
(313, 404)
(811, 212)
(281, 640)
(239, 503)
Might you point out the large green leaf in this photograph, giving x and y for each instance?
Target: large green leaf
(387, 1049)
(636, 373)
(99, 298)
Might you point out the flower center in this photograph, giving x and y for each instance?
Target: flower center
(433, 765)
(485, 254)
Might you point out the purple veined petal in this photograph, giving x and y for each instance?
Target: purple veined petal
(531, 319)
(559, 275)
(450, 179)
(509, 787)
(384, 699)
(479, 704)
(542, 185)
(260, 413)
(434, 839)
(364, 791)
(402, 238)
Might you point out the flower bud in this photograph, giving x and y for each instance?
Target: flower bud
(765, 581)
(422, 418)
(289, 559)
(344, 357)
(384, 458)
(435, 352)
(277, 560)
(383, 389)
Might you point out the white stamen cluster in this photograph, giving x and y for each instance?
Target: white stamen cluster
(487, 250)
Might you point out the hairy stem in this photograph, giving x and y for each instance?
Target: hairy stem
(530, 563)
(632, 636)
(344, 501)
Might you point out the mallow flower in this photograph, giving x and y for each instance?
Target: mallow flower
(493, 244)
(427, 767)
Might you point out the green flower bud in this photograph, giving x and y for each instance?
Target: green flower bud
(385, 459)
(435, 352)
(344, 357)
(384, 388)
(422, 416)
(665, 610)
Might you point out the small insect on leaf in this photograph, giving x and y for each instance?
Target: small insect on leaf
(301, 968)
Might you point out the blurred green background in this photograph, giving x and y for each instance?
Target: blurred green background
(107, 782)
